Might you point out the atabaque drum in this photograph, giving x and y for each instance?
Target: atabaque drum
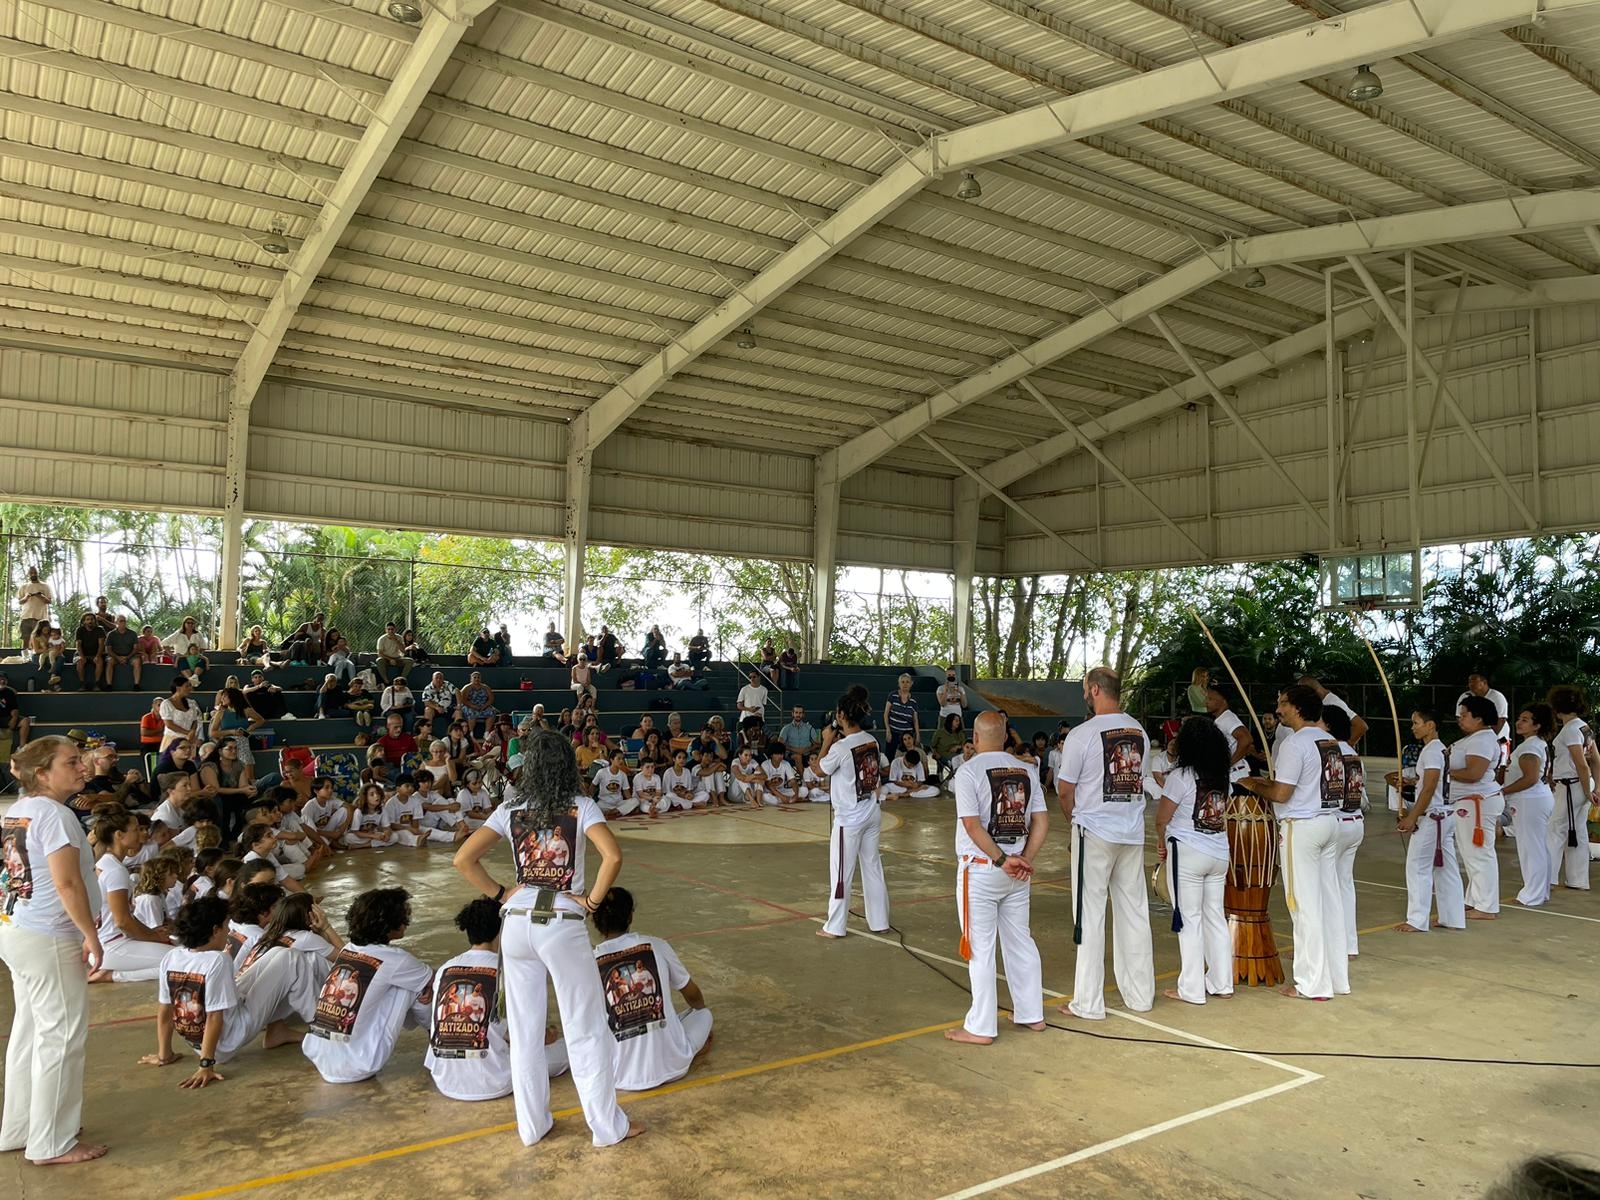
(1252, 871)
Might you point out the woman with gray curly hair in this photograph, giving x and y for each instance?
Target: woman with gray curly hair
(547, 819)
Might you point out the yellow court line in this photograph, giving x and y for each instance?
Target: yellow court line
(453, 1139)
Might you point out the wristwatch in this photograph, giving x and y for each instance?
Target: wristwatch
(1003, 859)
(207, 1063)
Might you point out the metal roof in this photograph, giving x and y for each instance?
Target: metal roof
(587, 179)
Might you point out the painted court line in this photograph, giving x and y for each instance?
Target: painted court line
(454, 1139)
(1510, 905)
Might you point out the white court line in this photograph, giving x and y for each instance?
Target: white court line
(1127, 1139)
(1504, 907)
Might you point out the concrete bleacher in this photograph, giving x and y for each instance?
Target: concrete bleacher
(115, 714)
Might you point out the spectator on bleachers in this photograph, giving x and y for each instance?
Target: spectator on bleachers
(341, 660)
(48, 647)
(655, 751)
(102, 614)
(655, 648)
(255, 650)
(194, 664)
(391, 656)
(227, 780)
(440, 766)
(699, 649)
(359, 702)
(753, 736)
(769, 663)
(413, 649)
(591, 752)
(109, 781)
(502, 638)
(439, 697)
(951, 695)
(233, 715)
(397, 698)
(176, 759)
(610, 649)
(396, 744)
(476, 703)
(583, 679)
(148, 646)
(752, 701)
(13, 724)
(266, 698)
(799, 738)
(555, 646)
(485, 650)
(34, 599)
(676, 738)
(91, 655)
(708, 742)
(789, 668)
(121, 649)
(186, 638)
(330, 698)
(642, 730)
(588, 650)
(180, 715)
(900, 715)
(947, 743)
(151, 725)
(305, 644)
(680, 675)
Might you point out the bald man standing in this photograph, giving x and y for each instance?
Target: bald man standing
(1101, 789)
(1001, 823)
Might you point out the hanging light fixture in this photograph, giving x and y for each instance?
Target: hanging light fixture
(970, 188)
(1365, 86)
(1255, 281)
(747, 339)
(273, 243)
(404, 12)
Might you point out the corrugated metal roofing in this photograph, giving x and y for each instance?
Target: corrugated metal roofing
(590, 177)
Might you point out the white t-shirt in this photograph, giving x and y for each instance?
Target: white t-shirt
(1201, 820)
(242, 939)
(369, 822)
(1280, 735)
(1228, 724)
(35, 828)
(150, 910)
(370, 993)
(648, 789)
(167, 813)
(319, 816)
(1310, 760)
(473, 802)
(1574, 733)
(638, 976)
(752, 700)
(684, 779)
(1534, 746)
(1501, 708)
(1486, 746)
(612, 788)
(952, 698)
(854, 769)
(1003, 794)
(1104, 759)
(1329, 700)
(184, 718)
(197, 983)
(900, 770)
(548, 859)
(469, 1054)
(1432, 758)
(396, 810)
(813, 779)
(113, 877)
(782, 773)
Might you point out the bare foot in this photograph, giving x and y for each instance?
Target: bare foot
(635, 1131)
(823, 933)
(1407, 927)
(1474, 915)
(968, 1039)
(1036, 1026)
(1172, 994)
(281, 1036)
(100, 976)
(1293, 993)
(1220, 995)
(82, 1152)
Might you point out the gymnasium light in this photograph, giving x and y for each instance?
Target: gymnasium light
(1255, 280)
(1365, 86)
(970, 188)
(274, 244)
(747, 339)
(405, 13)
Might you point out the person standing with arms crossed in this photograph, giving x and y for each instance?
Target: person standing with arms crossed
(34, 599)
(1101, 791)
(546, 818)
(850, 763)
(1001, 823)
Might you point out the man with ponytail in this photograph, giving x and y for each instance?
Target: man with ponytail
(851, 764)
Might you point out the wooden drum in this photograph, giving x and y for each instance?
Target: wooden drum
(1252, 870)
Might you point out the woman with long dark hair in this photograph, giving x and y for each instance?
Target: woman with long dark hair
(1528, 795)
(1572, 779)
(547, 819)
(854, 771)
(1192, 840)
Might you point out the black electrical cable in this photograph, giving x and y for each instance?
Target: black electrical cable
(1185, 1045)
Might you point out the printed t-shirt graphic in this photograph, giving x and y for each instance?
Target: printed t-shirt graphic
(339, 1003)
(462, 1011)
(235, 943)
(188, 992)
(865, 758)
(1008, 800)
(631, 980)
(545, 857)
(1333, 774)
(256, 951)
(1123, 757)
(1210, 809)
(19, 875)
(1355, 784)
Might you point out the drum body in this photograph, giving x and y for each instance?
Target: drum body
(1252, 871)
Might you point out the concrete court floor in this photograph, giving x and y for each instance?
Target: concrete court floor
(829, 1076)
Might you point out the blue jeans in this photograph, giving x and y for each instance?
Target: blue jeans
(788, 679)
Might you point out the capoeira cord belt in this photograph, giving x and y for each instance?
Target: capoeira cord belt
(1288, 866)
(1077, 892)
(1572, 814)
(1438, 837)
(1172, 882)
(1477, 818)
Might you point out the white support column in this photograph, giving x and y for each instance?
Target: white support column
(964, 564)
(1333, 371)
(824, 551)
(233, 483)
(575, 531)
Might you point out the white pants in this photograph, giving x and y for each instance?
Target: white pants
(334, 824)
(49, 1031)
(1311, 882)
(534, 956)
(816, 793)
(131, 961)
(696, 799)
(1531, 818)
(1570, 815)
(350, 842)
(1479, 862)
(404, 837)
(697, 1025)
(1110, 870)
(1205, 947)
(1351, 831)
(988, 900)
(845, 847)
(744, 793)
(778, 795)
(715, 784)
(621, 806)
(293, 854)
(1432, 873)
(922, 791)
(444, 820)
